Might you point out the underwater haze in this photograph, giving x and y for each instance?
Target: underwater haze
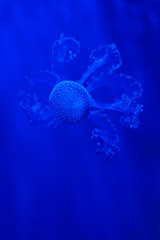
(80, 120)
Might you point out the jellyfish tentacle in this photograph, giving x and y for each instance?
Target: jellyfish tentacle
(127, 106)
(37, 112)
(126, 83)
(64, 50)
(104, 55)
(47, 77)
(105, 135)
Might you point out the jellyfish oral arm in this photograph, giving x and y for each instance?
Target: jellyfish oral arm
(121, 81)
(90, 70)
(104, 135)
(46, 77)
(127, 106)
(106, 106)
(104, 55)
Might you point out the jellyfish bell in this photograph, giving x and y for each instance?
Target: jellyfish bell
(69, 102)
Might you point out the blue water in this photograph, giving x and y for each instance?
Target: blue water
(53, 184)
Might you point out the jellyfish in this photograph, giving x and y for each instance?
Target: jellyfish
(72, 101)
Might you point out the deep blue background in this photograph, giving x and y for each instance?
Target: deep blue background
(52, 183)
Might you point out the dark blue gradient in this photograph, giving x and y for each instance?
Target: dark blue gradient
(52, 183)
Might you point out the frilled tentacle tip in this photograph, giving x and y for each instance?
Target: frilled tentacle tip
(69, 102)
